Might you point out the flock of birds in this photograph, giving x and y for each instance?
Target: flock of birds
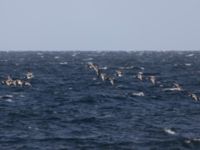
(18, 82)
(105, 77)
(141, 77)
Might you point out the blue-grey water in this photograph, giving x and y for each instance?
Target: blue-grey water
(69, 107)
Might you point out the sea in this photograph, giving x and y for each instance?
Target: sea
(69, 107)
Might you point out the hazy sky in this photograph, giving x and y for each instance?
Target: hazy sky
(99, 24)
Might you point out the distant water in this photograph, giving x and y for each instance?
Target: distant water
(69, 107)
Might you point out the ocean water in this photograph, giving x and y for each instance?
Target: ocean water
(69, 107)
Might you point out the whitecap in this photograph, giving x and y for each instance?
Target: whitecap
(190, 55)
(188, 141)
(39, 53)
(94, 78)
(172, 89)
(64, 63)
(74, 55)
(188, 64)
(120, 86)
(138, 93)
(161, 85)
(56, 57)
(9, 100)
(104, 68)
(88, 59)
(196, 139)
(169, 131)
(7, 96)
(129, 67)
(21, 95)
(4, 60)
(175, 65)
(142, 68)
(55, 112)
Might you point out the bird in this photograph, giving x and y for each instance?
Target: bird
(112, 80)
(152, 79)
(19, 82)
(29, 75)
(178, 87)
(139, 76)
(94, 67)
(8, 81)
(119, 73)
(193, 96)
(98, 71)
(103, 76)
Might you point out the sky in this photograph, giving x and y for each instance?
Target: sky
(99, 25)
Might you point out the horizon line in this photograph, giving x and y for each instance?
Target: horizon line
(97, 50)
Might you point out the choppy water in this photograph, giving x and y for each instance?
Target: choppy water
(69, 107)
